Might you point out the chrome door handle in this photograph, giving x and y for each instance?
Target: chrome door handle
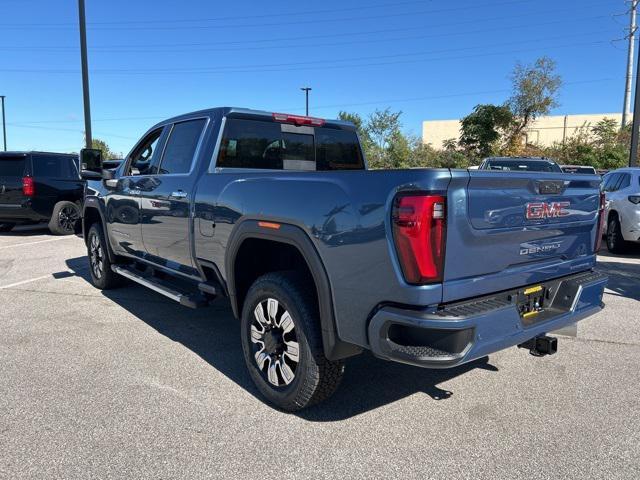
(178, 194)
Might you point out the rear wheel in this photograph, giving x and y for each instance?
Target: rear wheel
(615, 241)
(282, 343)
(102, 276)
(65, 217)
(6, 227)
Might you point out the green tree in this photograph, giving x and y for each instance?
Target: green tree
(535, 88)
(483, 129)
(107, 153)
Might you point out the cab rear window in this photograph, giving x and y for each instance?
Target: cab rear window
(263, 145)
(12, 167)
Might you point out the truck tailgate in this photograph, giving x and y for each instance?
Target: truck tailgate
(508, 229)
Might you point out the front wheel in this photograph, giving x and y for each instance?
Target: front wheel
(102, 276)
(64, 219)
(282, 343)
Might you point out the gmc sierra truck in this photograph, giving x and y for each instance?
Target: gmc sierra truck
(321, 258)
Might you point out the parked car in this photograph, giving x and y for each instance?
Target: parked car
(622, 192)
(521, 164)
(38, 187)
(585, 169)
(321, 258)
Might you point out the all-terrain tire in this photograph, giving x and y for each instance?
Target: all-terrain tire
(315, 377)
(102, 276)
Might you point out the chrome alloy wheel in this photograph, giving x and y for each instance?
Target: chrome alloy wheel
(96, 256)
(276, 349)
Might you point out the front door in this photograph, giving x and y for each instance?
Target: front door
(123, 199)
(165, 198)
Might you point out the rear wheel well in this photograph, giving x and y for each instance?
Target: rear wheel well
(257, 256)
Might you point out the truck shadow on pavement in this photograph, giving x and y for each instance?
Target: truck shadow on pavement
(624, 278)
(213, 334)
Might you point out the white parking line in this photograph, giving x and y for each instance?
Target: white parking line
(25, 281)
(39, 241)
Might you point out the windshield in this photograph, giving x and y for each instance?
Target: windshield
(523, 165)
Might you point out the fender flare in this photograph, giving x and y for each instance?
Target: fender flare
(334, 348)
(94, 204)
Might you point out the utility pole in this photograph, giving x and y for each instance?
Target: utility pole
(635, 128)
(85, 74)
(626, 107)
(306, 94)
(4, 126)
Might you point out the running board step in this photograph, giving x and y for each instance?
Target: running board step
(191, 300)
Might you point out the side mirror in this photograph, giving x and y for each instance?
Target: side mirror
(91, 160)
(89, 175)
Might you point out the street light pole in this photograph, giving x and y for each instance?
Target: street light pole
(4, 126)
(306, 95)
(85, 74)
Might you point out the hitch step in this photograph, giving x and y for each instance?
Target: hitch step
(191, 300)
(541, 346)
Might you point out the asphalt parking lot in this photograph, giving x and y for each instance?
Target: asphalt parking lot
(127, 384)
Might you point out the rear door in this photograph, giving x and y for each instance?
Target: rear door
(508, 229)
(165, 197)
(12, 168)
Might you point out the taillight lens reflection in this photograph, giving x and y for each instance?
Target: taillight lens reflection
(419, 227)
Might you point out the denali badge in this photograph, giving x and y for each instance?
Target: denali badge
(530, 249)
(542, 210)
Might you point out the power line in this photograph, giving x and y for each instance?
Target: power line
(307, 37)
(37, 127)
(28, 124)
(324, 64)
(298, 22)
(215, 19)
(136, 49)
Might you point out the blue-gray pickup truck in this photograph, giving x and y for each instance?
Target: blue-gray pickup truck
(322, 258)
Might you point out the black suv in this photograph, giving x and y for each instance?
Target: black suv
(40, 187)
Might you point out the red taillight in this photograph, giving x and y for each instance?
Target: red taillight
(600, 226)
(298, 119)
(28, 187)
(419, 226)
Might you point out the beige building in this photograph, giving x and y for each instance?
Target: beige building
(544, 130)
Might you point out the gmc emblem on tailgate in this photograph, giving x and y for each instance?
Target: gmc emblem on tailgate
(542, 210)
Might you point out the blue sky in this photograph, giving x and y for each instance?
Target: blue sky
(432, 59)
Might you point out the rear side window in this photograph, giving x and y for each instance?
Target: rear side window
(264, 145)
(625, 181)
(181, 147)
(54, 166)
(11, 167)
(610, 182)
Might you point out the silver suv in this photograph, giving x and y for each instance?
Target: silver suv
(622, 192)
